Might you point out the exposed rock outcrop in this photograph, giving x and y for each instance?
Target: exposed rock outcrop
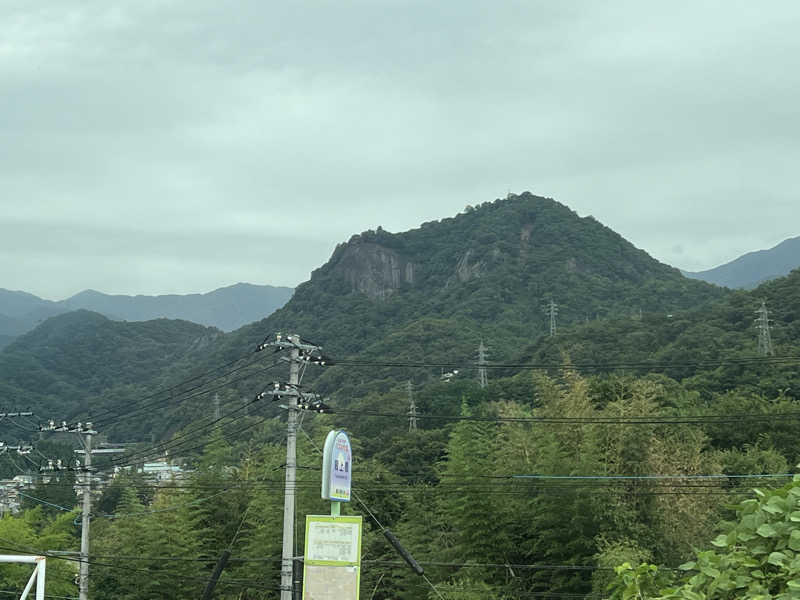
(374, 270)
(466, 271)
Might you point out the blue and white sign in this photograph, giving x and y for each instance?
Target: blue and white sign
(337, 467)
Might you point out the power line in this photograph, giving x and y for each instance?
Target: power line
(241, 583)
(183, 448)
(99, 416)
(115, 419)
(172, 444)
(16, 593)
(652, 365)
(161, 510)
(599, 420)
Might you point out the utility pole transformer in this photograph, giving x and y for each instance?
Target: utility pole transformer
(764, 337)
(482, 365)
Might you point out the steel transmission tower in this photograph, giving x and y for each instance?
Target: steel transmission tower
(482, 365)
(552, 311)
(764, 337)
(412, 407)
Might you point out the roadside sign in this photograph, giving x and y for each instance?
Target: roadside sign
(332, 558)
(337, 467)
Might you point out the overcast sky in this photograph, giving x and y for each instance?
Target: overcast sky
(158, 147)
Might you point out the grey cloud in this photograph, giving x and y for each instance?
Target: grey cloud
(673, 124)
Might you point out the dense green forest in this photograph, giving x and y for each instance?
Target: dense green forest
(645, 450)
(448, 490)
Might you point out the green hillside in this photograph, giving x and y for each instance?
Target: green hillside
(432, 293)
(66, 367)
(724, 330)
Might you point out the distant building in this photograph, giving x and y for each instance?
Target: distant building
(162, 471)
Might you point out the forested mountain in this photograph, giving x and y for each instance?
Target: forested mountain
(429, 294)
(432, 293)
(68, 364)
(724, 330)
(21, 312)
(623, 438)
(226, 308)
(754, 268)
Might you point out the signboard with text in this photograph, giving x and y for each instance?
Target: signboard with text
(332, 558)
(337, 467)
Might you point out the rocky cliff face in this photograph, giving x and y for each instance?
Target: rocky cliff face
(469, 267)
(372, 269)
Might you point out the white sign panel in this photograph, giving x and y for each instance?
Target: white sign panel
(323, 582)
(337, 467)
(333, 541)
(332, 557)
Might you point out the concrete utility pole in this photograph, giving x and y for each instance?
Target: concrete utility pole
(764, 337)
(412, 407)
(299, 352)
(83, 591)
(482, 365)
(84, 429)
(216, 407)
(552, 311)
(287, 556)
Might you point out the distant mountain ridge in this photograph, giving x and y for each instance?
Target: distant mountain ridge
(754, 268)
(429, 295)
(226, 308)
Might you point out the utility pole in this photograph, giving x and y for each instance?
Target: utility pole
(552, 311)
(83, 592)
(216, 407)
(412, 407)
(299, 352)
(287, 556)
(482, 365)
(86, 430)
(764, 337)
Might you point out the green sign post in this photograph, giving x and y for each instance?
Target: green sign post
(332, 556)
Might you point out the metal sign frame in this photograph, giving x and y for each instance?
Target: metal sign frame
(320, 566)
